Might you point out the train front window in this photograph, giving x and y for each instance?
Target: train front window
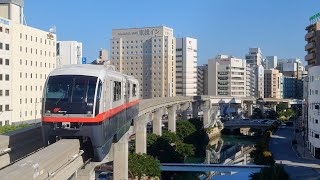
(70, 94)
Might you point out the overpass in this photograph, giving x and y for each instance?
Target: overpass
(151, 110)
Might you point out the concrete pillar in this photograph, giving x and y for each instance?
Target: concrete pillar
(141, 137)
(184, 109)
(245, 159)
(289, 105)
(172, 118)
(195, 109)
(206, 113)
(157, 122)
(274, 106)
(250, 109)
(120, 161)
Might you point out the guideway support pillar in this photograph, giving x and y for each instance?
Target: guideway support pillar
(141, 134)
(120, 162)
(157, 121)
(172, 118)
(206, 107)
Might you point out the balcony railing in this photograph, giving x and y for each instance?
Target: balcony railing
(309, 46)
(309, 56)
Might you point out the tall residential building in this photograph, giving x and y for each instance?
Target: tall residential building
(186, 67)
(227, 76)
(271, 62)
(254, 57)
(250, 84)
(69, 52)
(256, 72)
(148, 54)
(313, 44)
(273, 84)
(202, 80)
(27, 55)
(311, 111)
(314, 110)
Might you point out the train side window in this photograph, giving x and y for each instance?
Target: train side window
(128, 89)
(99, 90)
(134, 90)
(116, 91)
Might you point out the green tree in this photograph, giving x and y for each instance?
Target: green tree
(257, 114)
(272, 115)
(281, 107)
(274, 172)
(170, 136)
(185, 129)
(142, 164)
(184, 149)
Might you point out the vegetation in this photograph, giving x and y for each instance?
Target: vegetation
(274, 172)
(7, 128)
(262, 156)
(257, 114)
(143, 165)
(285, 113)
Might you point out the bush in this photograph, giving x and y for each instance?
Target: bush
(274, 172)
(142, 164)
(7, 128)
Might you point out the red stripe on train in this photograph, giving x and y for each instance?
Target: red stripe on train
(100, 117)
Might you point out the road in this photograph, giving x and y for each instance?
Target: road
(283, 153)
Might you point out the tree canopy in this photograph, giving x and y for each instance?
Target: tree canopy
(142, 164)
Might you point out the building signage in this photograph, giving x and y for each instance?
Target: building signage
(314, 18)
(84, 60)
(50, 36)
(141, 32)
(5, 22)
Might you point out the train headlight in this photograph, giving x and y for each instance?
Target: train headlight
(89, 112)
(48, 111)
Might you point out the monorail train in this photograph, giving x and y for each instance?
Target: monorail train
(90, 102)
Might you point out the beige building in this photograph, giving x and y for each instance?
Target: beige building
(227, 76)
(313, 45)
(26, 58)
(273, 85)
(186, 67)
(148, 54)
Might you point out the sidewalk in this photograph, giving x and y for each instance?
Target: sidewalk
(302, 151)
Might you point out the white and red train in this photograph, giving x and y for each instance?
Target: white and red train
(90, 102)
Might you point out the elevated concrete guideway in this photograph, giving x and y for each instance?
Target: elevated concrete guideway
(153, 110)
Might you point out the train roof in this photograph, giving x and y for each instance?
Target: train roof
(83, 69)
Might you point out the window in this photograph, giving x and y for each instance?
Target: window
(7, 46)
(0, 29)
(6, 122)
(7, 92)
(316, 106)
(116, 91)
(1, 61)
(316, 135)
(7, 62)
(7, 107)
(1, 93)
(1, 46)
(7, 77)
(134, 90)
(7, 31)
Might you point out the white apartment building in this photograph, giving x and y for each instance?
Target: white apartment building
(69, 52)
(271, 62)
(202, 80)
(314, 110)
(28, 56)
(148, 54)
(186, 67)
(254, 59)
(227, 76)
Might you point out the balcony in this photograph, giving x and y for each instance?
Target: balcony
(309, 35)
(309, 46)
(309, 57)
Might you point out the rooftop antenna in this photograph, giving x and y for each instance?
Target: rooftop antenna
(53, 29)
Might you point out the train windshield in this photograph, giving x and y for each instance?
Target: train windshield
(71, 94)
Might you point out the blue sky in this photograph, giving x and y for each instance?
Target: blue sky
(221, 26)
